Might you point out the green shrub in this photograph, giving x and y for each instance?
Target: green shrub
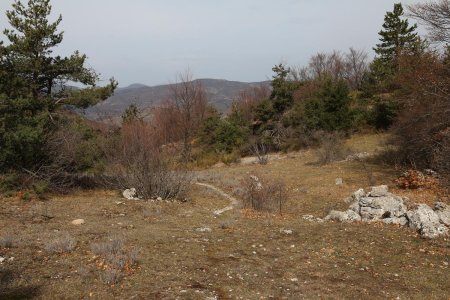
(41, 188)
(10, 182)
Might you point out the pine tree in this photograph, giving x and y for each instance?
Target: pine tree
(29, 72)
(395, 37)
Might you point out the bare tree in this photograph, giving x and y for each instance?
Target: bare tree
(436, 17)
(189, 101)
(248, 99)
(356, 66)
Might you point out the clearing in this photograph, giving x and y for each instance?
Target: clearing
(186, 251)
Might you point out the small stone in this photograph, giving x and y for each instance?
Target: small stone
(203, 229)
(339, 181)
(286, 231)
(77, 222)
(159, 199)
(2, 259)
(130, 194)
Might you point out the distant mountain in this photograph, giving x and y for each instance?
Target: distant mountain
(221, 94)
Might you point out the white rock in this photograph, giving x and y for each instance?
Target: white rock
(2, 259)
(159, 199)
(341, 216)
(443, 212)
(77, 222)
(204, 229)
(379, 191)
(426, 222)
(358, 194)
(402, 221)
(130, 194)
(286, 231)
(339, 181)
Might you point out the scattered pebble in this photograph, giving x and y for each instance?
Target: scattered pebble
(286, 231)
(77, 222)
(204, 229)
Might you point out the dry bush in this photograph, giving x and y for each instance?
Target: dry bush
(63, 243)
(261, 151)
(7, 241)
(263, 194)
(413, 179)
(112, 276)
(137, 161)
(115, 257)
(422, 131)
(331, 147)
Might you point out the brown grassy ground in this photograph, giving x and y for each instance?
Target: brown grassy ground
(244, 256)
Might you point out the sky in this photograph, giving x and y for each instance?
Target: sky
(151, 41)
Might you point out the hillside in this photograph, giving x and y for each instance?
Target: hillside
(221, 94)
(186, 251)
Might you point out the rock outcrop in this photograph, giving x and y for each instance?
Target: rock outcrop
(382, 206)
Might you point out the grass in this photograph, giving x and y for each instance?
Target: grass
(246, 255)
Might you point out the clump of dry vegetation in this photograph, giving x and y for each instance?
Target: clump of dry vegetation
(138, 161)
(63, 243)
(263, 194)
(114, 258)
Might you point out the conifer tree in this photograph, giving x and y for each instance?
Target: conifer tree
(29, 73)
(395, 37)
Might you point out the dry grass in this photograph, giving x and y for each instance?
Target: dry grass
(246, 255)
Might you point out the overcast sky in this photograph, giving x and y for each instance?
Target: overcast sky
(150, 41)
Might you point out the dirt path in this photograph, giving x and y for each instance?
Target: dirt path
(233, 200)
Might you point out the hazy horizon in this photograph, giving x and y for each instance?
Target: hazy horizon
(149, 42)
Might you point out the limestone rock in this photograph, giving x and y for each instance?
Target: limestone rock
(130, 194)
(443, 212)
(426, 222)
(379, 191)
(77, 222)
(402, 221)
(358, 195)
(343, 216)
(381, 207)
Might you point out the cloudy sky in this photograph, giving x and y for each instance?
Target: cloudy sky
(150, 41)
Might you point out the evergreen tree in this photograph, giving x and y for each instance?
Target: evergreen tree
(282, 89)
(395, 37)
(29, 105)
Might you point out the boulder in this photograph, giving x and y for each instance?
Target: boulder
(358, 195)
(379, 191)
(443, 212)
(402, 221)
(426, 222)
(130, 194)
(381, 207)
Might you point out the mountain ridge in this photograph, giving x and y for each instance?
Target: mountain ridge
(220, 93)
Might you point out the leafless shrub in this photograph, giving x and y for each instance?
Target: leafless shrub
(107, 249)
(117, 258)
(61, 244)
(332, 147)
(262, 194)
(112, 276)
(7, 241)
(262, 153)
(137, 161)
